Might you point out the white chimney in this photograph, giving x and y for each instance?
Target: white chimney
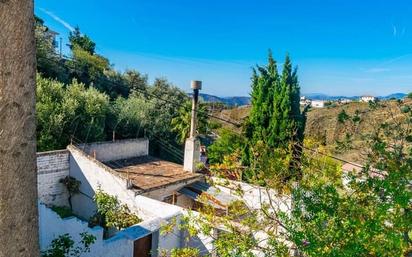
(192, 145)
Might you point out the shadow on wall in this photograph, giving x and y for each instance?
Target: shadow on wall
(83, 204)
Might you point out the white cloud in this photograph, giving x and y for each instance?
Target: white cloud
(58, 19)
(377, 70)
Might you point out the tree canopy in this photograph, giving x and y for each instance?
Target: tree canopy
(77, 39)
(275, 120)
(275, 117)
(84, 98)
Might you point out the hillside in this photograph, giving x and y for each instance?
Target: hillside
(323, 126)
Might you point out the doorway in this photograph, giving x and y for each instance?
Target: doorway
(143, 247)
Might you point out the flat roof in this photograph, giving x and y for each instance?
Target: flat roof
(149, 173)
(216, 197)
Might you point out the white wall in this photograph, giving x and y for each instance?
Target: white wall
(318, 104)
(94, 175)
(120, 149)
(51, 168)
(154, 213)
(122, 244)
(52, 226)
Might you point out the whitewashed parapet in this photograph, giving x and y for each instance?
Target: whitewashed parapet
(117, 150)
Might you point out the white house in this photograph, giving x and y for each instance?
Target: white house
(345, 100)
(304, 101)
(318, 103)
(156, 190)
(144, 187)
(367, 99)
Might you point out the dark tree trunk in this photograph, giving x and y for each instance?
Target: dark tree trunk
(18, 179)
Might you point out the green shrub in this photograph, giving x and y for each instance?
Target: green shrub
(356, 118)
(343, 116)
(111, 213)
(64, 246)
(405, 109)
(73, 187)
(226, 144)
(63, 211)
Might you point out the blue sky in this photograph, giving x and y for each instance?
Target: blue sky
(340, 47)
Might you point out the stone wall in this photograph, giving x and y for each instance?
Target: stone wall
(51, 168)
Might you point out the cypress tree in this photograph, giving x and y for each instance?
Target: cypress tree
(264, 80)
(275, 116)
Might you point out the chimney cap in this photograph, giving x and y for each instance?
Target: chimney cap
(196, 84)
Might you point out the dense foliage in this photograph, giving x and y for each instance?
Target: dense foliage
(111, 213)
(275, 120)
(181, 123)
(227, 143)
(67, 110)
(83, 99)
(275, 117)
(83, 41)
(64, 246)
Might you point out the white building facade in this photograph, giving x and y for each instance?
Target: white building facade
(318, 103)
(367, 99)
(81, 164)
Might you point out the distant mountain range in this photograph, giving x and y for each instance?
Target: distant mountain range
(245, 100)
(231, 100)
(319, 96)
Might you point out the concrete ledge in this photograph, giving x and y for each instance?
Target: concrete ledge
(54, 152)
